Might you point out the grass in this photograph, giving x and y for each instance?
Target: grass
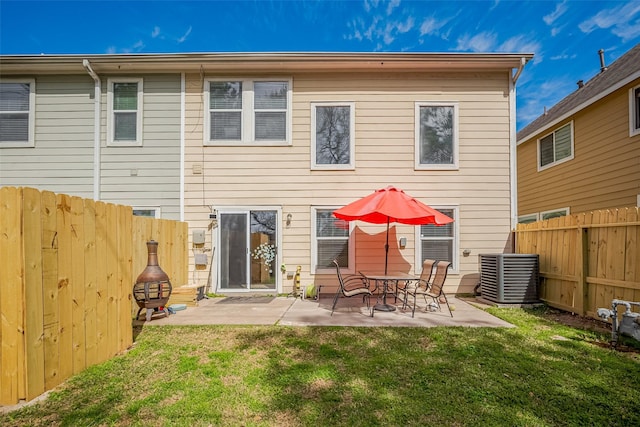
(538, 374)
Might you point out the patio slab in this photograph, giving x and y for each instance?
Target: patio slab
(264, 310)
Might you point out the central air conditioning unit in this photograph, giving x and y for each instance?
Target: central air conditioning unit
(509, 278)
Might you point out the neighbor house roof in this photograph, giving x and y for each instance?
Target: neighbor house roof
(621, 72)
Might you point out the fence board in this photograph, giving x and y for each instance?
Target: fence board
(102, 294)
(11, 292)
(64, 285)
(77, 284)
(51, 313)
(33, 297)
(125, 279)
(112, 277)
(90, 297)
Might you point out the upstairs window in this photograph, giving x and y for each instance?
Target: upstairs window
(125, 112)
(247, 111)
(436, 136)
(332, 136)
(634, 111)
(556, 147)
(17, 100)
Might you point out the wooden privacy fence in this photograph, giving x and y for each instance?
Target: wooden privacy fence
(586, 260)
(67, 269)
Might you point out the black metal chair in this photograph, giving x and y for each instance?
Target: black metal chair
(435, 291)
(351, 286)
(424, 281)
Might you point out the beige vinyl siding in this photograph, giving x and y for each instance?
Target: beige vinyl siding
(605, 172)
(384, 155)
(62, 158)
(147, 175)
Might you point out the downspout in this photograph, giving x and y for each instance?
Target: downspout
(182, 141)
(96, 128)
(513, 157)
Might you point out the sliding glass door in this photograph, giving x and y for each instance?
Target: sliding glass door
(248, 250)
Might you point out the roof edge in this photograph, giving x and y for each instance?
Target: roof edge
(620, 84)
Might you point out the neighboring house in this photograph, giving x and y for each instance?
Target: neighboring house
(584, 153)
(255, 151)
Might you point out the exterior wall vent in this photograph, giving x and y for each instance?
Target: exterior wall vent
(509, 278)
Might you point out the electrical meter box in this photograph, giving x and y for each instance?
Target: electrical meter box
(200, 259)
(198, 237)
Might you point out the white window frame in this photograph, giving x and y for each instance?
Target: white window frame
(456, 133)
(565, 211)
(110, 113)
(455, 262)
(248, 113)
(534, 216)
(314, 246)
(157, 213)
(32, 113)
(634, 111)
(556, 162)
(352, 136)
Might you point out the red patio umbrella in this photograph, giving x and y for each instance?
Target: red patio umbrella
(391, 205)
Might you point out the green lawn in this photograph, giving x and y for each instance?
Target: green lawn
(537, 374)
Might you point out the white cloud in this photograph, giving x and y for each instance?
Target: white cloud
(392, 5)
(156, 32)
(482, 42)
(560, 9)
(184, 37)
(431, 26)
(621, 19)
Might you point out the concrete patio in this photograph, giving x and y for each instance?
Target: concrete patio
(289, 311)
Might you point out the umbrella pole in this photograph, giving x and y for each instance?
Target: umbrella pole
(386, 249)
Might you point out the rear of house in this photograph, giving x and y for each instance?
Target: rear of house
(339, 128)
(255, 151)
(584, 153)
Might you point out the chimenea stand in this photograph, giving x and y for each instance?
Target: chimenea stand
(153, 288)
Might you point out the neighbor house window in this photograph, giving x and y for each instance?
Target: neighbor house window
(332, 136)
(439, 242)
(554, 213)
(436, 136)
(17, 99)
(634, 111)
(147, 212)
(556, 147)
(330, 240)
(124, 101)
(528, 219)
(247, 111)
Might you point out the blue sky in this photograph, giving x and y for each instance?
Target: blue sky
(565, 36)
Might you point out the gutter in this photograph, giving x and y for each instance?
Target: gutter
(523, 61)
(513, 157)
(96, 128)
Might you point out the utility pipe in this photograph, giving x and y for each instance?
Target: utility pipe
(96, 128)
(513, 157)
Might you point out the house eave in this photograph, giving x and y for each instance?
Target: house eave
(260, 62)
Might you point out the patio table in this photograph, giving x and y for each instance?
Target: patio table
(386, 279)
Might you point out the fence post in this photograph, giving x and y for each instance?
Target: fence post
(581, 293)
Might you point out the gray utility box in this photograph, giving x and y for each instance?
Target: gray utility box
(509, 278)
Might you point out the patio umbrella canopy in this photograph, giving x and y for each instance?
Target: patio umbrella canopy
(391, 205)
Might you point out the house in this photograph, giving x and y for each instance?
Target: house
(255, 151)
(583, 154)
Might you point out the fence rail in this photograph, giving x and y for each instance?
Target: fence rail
(68, 266)
(587, 259)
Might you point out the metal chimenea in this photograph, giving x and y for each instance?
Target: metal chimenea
(153, 288)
